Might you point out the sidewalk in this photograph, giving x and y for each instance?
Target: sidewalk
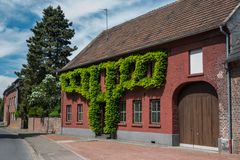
(60, 147)
(49, 150)
(97, 149)
(45, 148)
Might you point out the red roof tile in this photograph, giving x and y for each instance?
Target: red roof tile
(177, 20)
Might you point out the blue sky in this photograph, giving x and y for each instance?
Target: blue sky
(17, 17)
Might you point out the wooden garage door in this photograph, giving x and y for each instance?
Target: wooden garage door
(198, 115)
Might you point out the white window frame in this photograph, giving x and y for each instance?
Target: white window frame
(196, 61)
(122, 107)
(69, 113)
(137, 114)
(80, 112)
(155, 109)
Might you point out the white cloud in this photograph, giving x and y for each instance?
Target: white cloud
(87, 16)
(74, 9)
(4, 83)
(88, 28)
(13, 41)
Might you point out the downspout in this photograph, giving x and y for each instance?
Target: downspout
(229, 89)
(61, 103)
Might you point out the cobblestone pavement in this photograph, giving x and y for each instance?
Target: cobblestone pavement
(93, 149)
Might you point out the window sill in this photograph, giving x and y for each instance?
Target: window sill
(68, 123)
(79, 123)
(154, 126)
(195, 75)
(122, 124)
(137, 125)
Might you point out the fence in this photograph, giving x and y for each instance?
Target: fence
(44, 125)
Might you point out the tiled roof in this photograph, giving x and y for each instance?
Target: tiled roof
(177, 20)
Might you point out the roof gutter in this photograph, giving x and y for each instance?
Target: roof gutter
(229, 88)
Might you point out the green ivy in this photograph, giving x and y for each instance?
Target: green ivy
(133, 73)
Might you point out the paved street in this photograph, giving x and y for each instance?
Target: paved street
(12, 147)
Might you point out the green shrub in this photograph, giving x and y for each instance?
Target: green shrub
(36, 112)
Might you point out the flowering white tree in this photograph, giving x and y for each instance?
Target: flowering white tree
(45, 98)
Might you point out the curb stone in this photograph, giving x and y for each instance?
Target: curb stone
(33, 152)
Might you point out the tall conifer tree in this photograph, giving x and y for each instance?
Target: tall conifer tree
(48, 50)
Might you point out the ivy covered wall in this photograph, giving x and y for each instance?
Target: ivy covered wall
(122, 75)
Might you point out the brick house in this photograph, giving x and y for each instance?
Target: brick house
(233, 67)
(193, 107)
(10, 96)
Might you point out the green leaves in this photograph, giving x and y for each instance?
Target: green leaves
(45, 97)
(48, 50)
(133, 73)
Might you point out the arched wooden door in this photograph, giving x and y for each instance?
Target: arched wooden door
(198, 115)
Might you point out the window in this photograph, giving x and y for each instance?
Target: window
(78, 80)
(150, 68)
(137, 111)
(80, 112)
(13, 118)
(117, 80)
(196, 61)
(122, 107)
(69, 113)
(67, 82)
(131, 69)
(14, 101)
(155, 111)
(11, 101)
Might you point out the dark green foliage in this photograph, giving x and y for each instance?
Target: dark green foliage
(129, 79)
(48, 49)
(55, 112)
(36, 111)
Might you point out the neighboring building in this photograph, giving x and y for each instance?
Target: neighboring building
(10, 96)
(192, 108)
(233, 65)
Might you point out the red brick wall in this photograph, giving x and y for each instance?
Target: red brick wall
(41, 125)
(17, 123)
(213, 45)
(177, 76)
(214, 73)
(74, 99)
(9, 107)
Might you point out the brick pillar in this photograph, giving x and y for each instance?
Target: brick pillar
(236, 106)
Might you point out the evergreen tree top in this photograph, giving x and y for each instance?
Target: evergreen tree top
(48, 50)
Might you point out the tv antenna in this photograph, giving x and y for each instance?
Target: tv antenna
(106, 12)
